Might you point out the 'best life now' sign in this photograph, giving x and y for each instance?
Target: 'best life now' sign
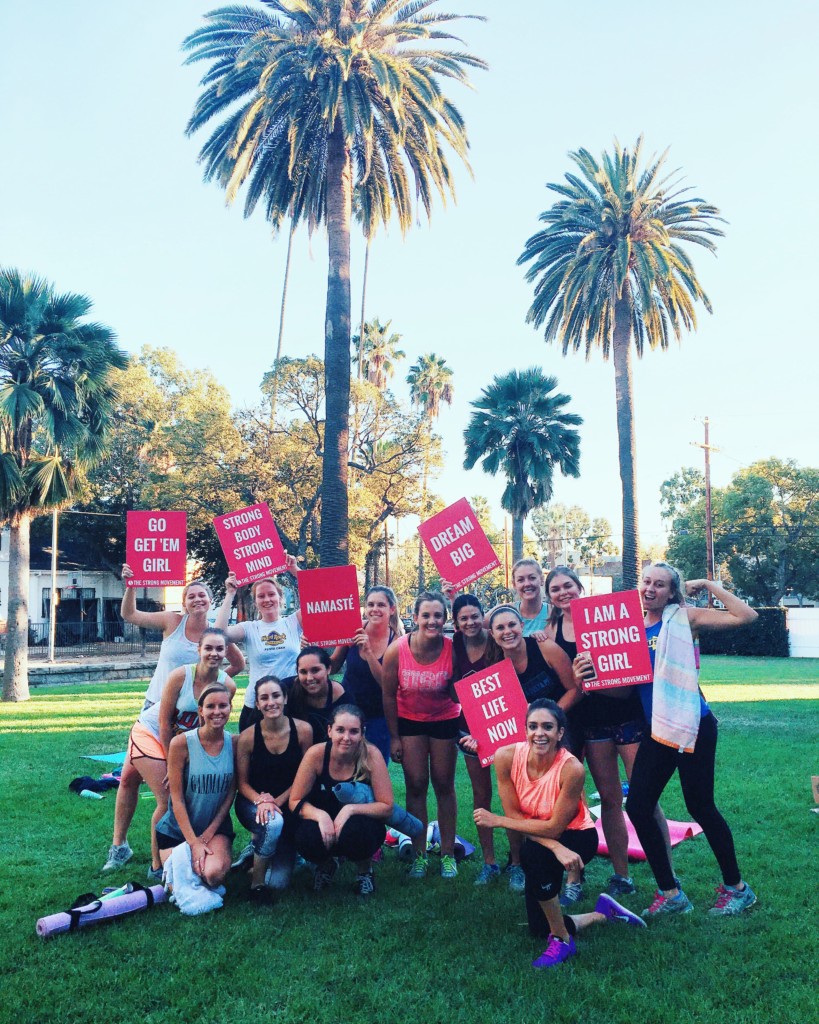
(251, 543)
(330, 605)
(459, 548)
(156, 548)
(495, 708)
(610, 628)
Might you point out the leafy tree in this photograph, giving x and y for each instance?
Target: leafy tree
(56, 400)
(316, 98)
(519, 427)
(681, 491)
(609, 272)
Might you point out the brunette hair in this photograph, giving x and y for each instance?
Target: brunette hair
(560, 570)
(527, 561)
(431, 595)
(464, 601)
(213, 688)
(213, 631)
(361, 769)
(319, 652)
(270, 679)
(554, 709)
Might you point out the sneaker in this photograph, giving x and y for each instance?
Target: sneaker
(419, 867)
(118, 857)
(732, 901)
(614, 911)
(365, 884)
(155, 874)
(324, 874)
(572, 893)
(449, 869)
(663, 905)
(620, 885)
(556, 952)
(243, 858)
(517, 879)
(488, 873)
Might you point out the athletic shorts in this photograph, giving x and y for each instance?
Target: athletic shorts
(446, 730)
(622, 735)
(166, 842)
(143, 743)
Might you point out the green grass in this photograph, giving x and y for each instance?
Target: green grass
(434, 951)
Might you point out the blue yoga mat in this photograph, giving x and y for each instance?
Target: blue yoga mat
(108, 758)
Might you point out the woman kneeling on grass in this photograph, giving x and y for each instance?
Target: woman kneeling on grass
(541, 789)
(329, 829)
(201, 780)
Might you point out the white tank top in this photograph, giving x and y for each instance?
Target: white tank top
(272, 649)
(176, 651)
(187, 708)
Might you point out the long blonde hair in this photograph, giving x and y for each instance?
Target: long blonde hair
(361, 766)
(396, 625)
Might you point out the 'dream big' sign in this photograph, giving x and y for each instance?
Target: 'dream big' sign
(330, 605)
(251, 543)
(610, 627)
(457, 545)
(156, 548)
(495, 708)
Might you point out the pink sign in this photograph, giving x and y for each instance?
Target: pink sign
(459, 548)
(610, 628)
(330, 605)
(251, 543)
(156, 548)
(495, 708)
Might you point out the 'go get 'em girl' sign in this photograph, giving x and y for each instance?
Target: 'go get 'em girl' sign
(156, 548)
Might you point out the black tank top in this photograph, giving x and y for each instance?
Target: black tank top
(538, 679)
(274, 773)
(322, 795)
(569, 646)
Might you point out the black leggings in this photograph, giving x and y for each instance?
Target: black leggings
(359, 839)
(653, 767)
(544, 874)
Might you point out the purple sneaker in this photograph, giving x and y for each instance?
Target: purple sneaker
(615, 911)
(555, 953)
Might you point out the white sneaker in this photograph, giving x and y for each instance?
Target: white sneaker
(118, 857)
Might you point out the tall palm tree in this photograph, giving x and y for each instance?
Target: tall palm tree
(610, 271)
(430, 381)
(378, 352)
(56, 401)
(316, 97)
(519, 427)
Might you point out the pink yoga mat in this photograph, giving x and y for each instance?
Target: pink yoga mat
(56, 924)
(678, 830)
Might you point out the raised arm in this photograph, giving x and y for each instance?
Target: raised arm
(338, 657)
(166, 621)
(737, 612)
(236, 662)
(389, 693)
(237, 631)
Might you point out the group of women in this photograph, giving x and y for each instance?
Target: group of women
(302, 733)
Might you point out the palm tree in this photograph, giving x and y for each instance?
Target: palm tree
(317, 97)
(378, 352)
(56, 400)
(609, 271)
(430, 381)
(519, 426)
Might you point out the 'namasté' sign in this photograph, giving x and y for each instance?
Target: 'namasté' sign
(610, 628)
(251, 543)
(330, 605)
(156, 548)
(457, 545)
(495, 708)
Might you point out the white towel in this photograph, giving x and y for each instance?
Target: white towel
(187, 889)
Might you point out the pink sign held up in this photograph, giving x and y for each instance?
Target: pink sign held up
(609, 627)
(495, 708)
(156, 548)
(457, 545)
(330, 605)
(251, 543)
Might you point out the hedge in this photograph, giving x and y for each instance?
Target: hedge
(767, 637)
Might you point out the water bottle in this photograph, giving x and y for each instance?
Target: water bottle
(89, 794)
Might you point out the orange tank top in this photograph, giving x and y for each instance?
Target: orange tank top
(537, 797)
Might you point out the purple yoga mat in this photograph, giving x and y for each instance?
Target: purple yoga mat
(56, 924)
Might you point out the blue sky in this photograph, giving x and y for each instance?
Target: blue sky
(100, 192)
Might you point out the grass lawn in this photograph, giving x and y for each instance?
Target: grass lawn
(430, 951)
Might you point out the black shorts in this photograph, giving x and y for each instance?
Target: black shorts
(623, 734)
(166, 842)
(446, 730)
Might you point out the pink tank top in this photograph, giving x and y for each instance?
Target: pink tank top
(423, 694)
(537, 797)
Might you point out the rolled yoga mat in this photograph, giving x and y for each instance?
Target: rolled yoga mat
(678, 831)
(100, 910)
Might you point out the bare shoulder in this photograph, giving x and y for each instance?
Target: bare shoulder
(572, 770)
(504, 757)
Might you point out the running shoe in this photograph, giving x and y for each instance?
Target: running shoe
(572, 893)
(665, 905)
(517, 879)
(244, 857)
(556, 952)
(118, 857)
(365, 884)
(449, 869)
(488, 873)
(620, 885)
(419, 867)
(155, 874)
(732, 901)
(324, 874)
(614, 911)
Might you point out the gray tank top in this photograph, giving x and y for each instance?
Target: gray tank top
(176, 651)
(207, 781)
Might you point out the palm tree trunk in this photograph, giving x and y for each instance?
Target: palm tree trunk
(284, 288)
(15, 670)
(624, 394)
(363, 302)
(517, 537)
(334, 497)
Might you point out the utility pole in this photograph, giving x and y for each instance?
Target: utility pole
(386, 554)
(709, 524)
(506, 550)
(52, 607)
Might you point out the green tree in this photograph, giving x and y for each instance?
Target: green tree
(316, 98)
(681, 491)
(378, 353)
(610, 272)
(519, 427)
(56, 399)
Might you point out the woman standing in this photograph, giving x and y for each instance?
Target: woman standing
(541, 789)
(683, 735)
(328, 829)
(267, 759)
(423, 723)
(146, 757)
(314, 695)
(271, 642)
(363, 676)
(527, 579)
